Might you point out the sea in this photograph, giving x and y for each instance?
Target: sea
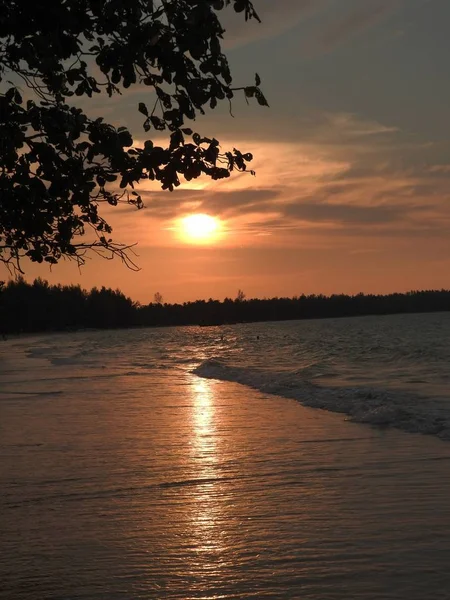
(305, 460)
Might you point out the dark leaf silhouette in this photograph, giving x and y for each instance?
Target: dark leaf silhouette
(143, 109)
(59, 166)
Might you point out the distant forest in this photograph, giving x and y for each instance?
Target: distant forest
(39, 306)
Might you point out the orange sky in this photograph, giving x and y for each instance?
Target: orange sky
(352, 159)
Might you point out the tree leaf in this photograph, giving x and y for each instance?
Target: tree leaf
(261, 98)
(143, 109)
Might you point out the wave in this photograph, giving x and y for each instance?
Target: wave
(26, 393)
(380, 407)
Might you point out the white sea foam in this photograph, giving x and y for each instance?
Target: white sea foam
(400, 409)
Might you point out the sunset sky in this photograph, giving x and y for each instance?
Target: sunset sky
(352, 162)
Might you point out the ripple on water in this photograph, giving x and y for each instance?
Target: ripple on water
(167, 485)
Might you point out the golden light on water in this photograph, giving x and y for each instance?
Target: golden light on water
(204, 434)
(200, 228)
(207, 515)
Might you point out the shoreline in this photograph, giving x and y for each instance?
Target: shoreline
(22, 334)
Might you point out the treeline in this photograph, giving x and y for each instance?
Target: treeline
(39, 306)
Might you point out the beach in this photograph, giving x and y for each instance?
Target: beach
(124, 482)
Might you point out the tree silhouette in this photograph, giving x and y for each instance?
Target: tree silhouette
(158, 299)
(58, 166)
(26, 307)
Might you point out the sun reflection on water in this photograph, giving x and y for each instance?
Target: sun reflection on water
(207, 518)
(204, 419)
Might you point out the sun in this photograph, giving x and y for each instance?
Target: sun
(200, 228)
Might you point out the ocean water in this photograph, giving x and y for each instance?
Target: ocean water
(191, 463)
(387, 371)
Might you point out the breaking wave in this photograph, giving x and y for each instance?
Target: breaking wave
(380, 407)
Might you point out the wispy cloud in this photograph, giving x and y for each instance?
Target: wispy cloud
(276, 17)
(350, 125)
(443, 169)
(366, 15)
(340, 182)
(344, 213)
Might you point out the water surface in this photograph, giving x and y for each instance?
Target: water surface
(125, 475)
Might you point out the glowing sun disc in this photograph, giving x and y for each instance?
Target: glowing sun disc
(199, 227)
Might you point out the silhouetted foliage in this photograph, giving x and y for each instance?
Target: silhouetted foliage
(57, 165)
(39, 306)
(26, 307)
(158, 299)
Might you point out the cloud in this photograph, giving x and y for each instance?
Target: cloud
(276, 17)
(238, 202)
(345, 178)
(343, 213)
(350, 125)
(164, 205)
(366, 15)
(441, 169)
